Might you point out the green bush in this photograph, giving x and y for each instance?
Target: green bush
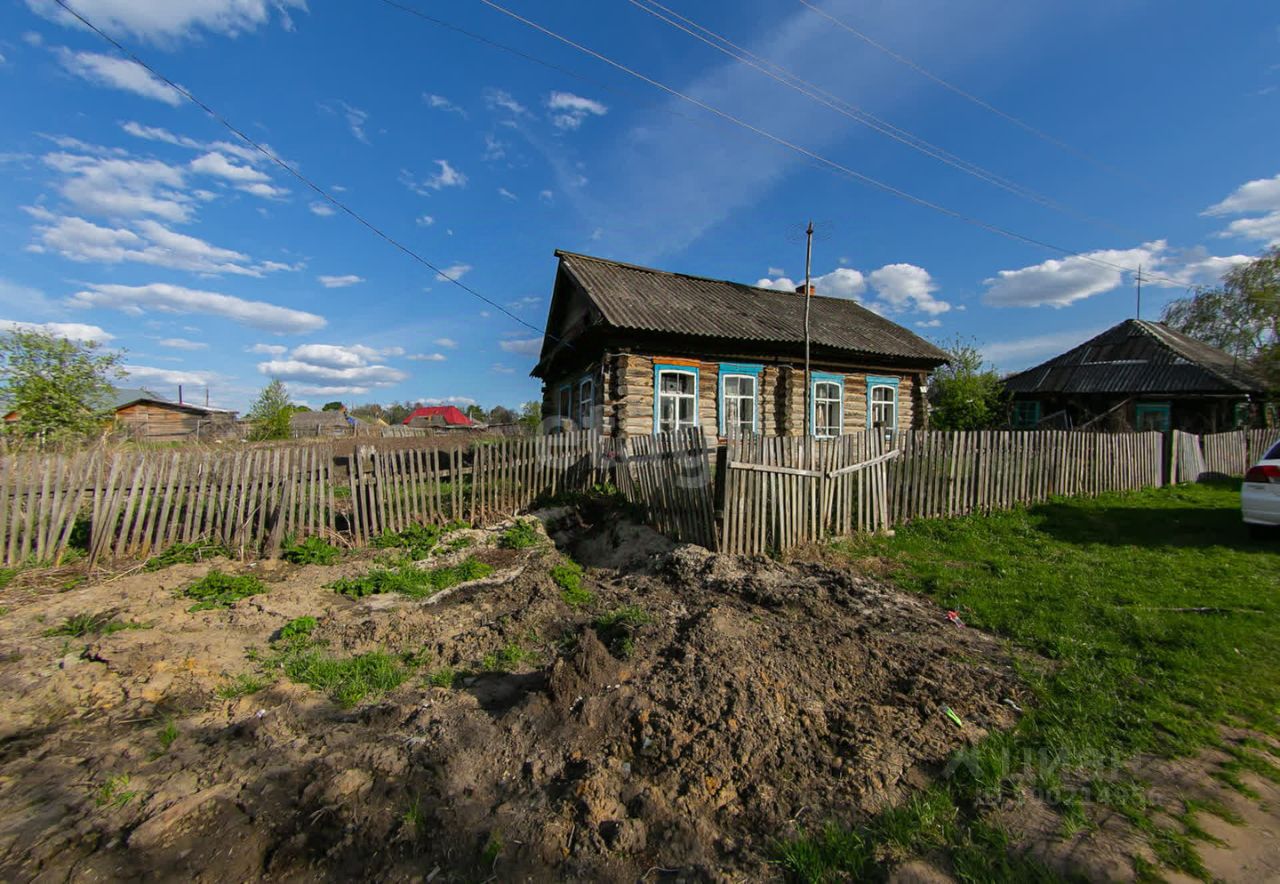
(186, 554)
(219, 590)
(521, 535)
(568, 576)
(418, 541)
(411, 581)
(95, 624)
(312, 551)
(617, 628)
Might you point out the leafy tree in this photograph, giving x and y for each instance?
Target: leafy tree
(270, 413)
(500, 414)
(475, 412)
(397, 412)
(531, 415)
(1242, 316)
(966, 394)
(59, 388)
(332, 406)
(370, 411)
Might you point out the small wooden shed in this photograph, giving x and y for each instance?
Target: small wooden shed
(149, 417)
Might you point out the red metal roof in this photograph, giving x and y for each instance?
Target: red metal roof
(450, 413)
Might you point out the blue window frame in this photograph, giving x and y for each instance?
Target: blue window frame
(675, 397)
(1152, 416)
(739, 400)
(882, 402)
(826, 404)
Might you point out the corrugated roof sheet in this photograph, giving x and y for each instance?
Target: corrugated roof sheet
(645, 299)
(1138, 356)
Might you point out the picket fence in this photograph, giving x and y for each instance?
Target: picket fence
(781, 493)
(1196, 457)
(669, 478)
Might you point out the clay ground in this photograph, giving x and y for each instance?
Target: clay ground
(757, 700)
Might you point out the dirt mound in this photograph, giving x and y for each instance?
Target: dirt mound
(680, 722)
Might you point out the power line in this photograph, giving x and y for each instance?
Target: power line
(317, 189)
(969, 96)
(794, 81)
(832, 164)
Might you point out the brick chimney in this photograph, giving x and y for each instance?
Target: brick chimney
(812, 290)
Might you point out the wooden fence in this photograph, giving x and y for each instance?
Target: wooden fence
(129, 503)
(780, 493)
(1218, 454)
(669, 478)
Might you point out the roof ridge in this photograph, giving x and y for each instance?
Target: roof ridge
(565, 253)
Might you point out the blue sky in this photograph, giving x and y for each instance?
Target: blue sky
(129, 216)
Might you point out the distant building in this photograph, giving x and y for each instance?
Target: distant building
(150, 417)
(324, 423)
(444, 417)
(1139, 375)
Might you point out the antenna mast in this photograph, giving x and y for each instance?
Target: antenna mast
(808, 299)
(1138, 278)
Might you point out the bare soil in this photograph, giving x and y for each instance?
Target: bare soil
(759, 696)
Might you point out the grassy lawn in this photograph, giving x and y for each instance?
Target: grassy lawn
(1100, 588)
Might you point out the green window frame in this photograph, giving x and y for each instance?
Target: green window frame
(1026, 413)
(1158, 414)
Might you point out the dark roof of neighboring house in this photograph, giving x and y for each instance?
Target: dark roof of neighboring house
(644, 299)
(1138, 356)
(124, 396)
(449, 415)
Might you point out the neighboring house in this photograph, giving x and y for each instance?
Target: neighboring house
(324, 423)
(1138, 375)
(150, 417)
(634, 350)
(441, 417)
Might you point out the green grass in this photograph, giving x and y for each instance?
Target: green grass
(617, 628)
(219, 590)
(508, 657)
(168, 735)
(568, 576)
(521, 535)
(115, 792)
(411, 581)
(298, 628)
(94, 624)
(417, 541)
(186, 554)
(312, 551)
(347, 680)
(1100, 588)
(241, 686)
(444, 677)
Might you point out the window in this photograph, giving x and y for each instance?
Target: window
(675, 400)
(565, 410)
(1025, 415)
(882, 403)
(586, 402)
(1152, 416)
(828, 405)
(739, 392)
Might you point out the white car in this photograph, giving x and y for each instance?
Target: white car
(1260, 493)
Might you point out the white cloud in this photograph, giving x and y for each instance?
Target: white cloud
(214, 163)
(117, 187)
(335, 365)
(569, 110)
(450, 400)
(24, 298)
(441, 103)
(453, 272)
(323, 209)
(72, 331)
(904, 287)
(1261, 195)
(445, 176)
(775, 271)
(269, 349)
(499, 99)
(149, 242)
(931, 323)
(338, 282)
(149, 375)
(165, 298)
(546, 195)
(2, 58)
(1058, 282)
(157, 133)
(171, 20)
(448, 343)
(118, 73)
(493, 149)
(425, 220)
(499, 368)
(506, 194)
(356, 119)
(427, 357)
(183, 344)
(523, 346)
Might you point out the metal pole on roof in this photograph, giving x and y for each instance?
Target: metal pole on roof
(808, 297)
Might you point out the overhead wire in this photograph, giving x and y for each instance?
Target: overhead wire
(824, 161)
(298, 176)
(792, 80)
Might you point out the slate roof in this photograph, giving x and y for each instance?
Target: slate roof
(644, 299)
(1138, 356)
(123, 396)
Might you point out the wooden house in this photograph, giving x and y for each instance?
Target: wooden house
(634, 350)
(1139, 375)
(149, 417)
